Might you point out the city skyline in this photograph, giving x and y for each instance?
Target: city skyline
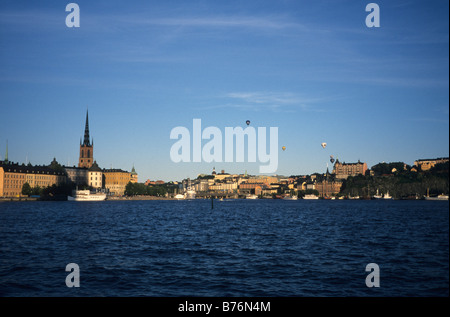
(314, 70)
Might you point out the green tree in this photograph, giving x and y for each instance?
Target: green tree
(37, 190)
(129, 189)
(26, 189)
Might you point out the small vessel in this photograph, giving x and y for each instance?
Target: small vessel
(179, 196)
(290, 198)
(439, 197)
(387, 196)
(86, 195)
(252, 196)
(377, 196)
(190, 193)
(310, 196)
(353, 197)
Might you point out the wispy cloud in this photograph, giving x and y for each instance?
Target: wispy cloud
(269, 101)
(214, 21)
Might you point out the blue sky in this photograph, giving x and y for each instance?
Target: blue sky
(311, 68)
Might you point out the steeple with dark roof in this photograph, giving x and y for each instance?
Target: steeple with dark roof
(86, 131)
(86, 148)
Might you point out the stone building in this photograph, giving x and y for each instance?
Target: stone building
(115, 180)
(426, 164)
(95, 176)
(344, 170)
(13, 176)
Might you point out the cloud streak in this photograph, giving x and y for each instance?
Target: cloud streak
(214, 21)
(269, 101)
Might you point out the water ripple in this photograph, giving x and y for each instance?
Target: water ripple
(239, 248)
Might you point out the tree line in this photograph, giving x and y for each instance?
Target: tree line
(400, 180)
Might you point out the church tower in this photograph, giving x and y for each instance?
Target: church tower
(86, 148)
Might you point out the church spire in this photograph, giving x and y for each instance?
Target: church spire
(86, 131)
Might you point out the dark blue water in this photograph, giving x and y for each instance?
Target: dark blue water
(240, 248)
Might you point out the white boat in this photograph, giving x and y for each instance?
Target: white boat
(439, 197)
(179, 196)
(290, 198)
(377, 196)
(86, 195)
(310, 196)
(190, 193)
(387, 196)
(355, 197)
(252, 197)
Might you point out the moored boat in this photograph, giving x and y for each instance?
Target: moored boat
(387, 196)
(310, 196)
(290, 198)
(439, 197)
(190, 193)
(377, 196)
(86, 195)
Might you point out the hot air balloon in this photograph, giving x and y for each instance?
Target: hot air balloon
(284, 148)
(248, 122)
(323, 144)
(331, 159)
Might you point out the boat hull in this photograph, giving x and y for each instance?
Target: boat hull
(440, 197)
(87, 198)
(85, 195)
(311, 197)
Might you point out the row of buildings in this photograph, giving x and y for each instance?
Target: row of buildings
(224, 184)
(327, 185)
(113, 181)
(13, 176)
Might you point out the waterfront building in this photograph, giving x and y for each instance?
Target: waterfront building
(86, 148)
(310, 185)
(328, 188)
(134, 176)
(344, 170)
(13, 176)
(426, 164)
(301, 185)
(158, 182)
(266, 180)
(269, 191)
(95, 176)
(115, 181)
(202, 185)
(251, 188)
(220, 176)
(77, 175)
(223, 187)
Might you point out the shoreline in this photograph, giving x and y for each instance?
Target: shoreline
(141, 198)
